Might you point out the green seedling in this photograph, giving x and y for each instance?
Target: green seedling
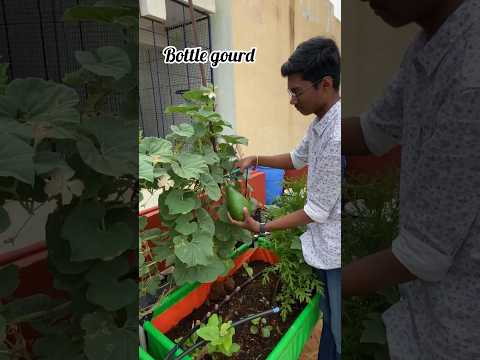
(259, 325)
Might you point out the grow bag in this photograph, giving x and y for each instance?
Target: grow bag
(186, 299)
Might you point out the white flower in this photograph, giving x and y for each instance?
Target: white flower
(212, 95)
(165, 182)
(58, 182)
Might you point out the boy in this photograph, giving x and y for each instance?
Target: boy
(432, 109)
(313, 73)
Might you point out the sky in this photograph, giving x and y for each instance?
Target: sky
(337, 4)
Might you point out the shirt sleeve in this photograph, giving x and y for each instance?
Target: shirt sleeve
(324, 188)
(443, 199)
(382, 123)
(299, 155)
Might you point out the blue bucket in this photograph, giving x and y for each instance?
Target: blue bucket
(273, 183)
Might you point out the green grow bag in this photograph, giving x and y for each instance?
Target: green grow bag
(143, 355)
(289, 347)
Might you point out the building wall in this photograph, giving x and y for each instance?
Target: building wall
(262, 111)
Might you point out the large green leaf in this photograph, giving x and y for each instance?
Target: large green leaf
(46, 161)
(89, 239)
(4, 220)
(159, 149)
(16, 159)
(106, 271)
(8, 280)
(211, 187)
(57, 347)
(185, 226)
(145, 168)
(234, 139)
(183, 130)
(115, 154)
(108, 61)
(38, 100)
(216, 267)
(194, 251)
(210, 156)
(182, 108)
(113, 295)
(205, 221)
(105, 340)
(180, 202)
(190, 166)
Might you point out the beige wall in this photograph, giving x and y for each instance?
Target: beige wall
(371, 54)
(262, 110)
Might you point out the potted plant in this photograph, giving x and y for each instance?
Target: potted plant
(78, 155)
(292, 287)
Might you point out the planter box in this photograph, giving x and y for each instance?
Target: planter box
(189, 297)
(143, 355)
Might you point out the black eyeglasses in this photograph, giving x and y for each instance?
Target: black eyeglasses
(299, 93)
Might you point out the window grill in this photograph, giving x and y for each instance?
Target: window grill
(162, 85)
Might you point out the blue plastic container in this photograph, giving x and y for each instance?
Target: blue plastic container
(273, 183)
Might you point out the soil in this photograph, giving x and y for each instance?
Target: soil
(252, 299)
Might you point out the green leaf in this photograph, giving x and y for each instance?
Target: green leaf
(205, 222)
(108, 61)
(16, 159)
(253, 330)
(183, 130)
(104, 340)
(184, 225)
(266, 331)
(56, 347)
(180, 202)
(105, 271)
(113, 295)
(37, 100)
(203, 274)
(145, 168)
(47, 161)
(211, 157)
(23, 307)
(197, 251)
(9, 280)
(182, 108)
(83, 230)
(234, 139)
(115, 154)
(211, 187)
(190, 166)
(4, 220)
(374, 330)
(159, 149)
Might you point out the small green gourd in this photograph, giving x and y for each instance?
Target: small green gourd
(236, 202)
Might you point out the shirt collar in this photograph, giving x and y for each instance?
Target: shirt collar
(432, 52)
(334, 111)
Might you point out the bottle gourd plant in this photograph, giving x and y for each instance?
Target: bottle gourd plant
(189, 168)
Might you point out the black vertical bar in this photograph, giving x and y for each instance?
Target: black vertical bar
(169, 79)
(82, 45)
(185, 45)
(210, 47)
(42, 36)
(8, 39)
(154, 100)
(158, 75)
(59, 73)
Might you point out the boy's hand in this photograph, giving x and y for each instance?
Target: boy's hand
(246, 162)
(249, 223)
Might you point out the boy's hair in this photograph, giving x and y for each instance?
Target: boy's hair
(314, 59)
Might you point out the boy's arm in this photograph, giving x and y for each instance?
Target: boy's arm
(289, 221)
(282, 161)
(372, 273)
(353, 141)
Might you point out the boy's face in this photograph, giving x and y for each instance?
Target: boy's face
(307, 98)
(398, 13)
